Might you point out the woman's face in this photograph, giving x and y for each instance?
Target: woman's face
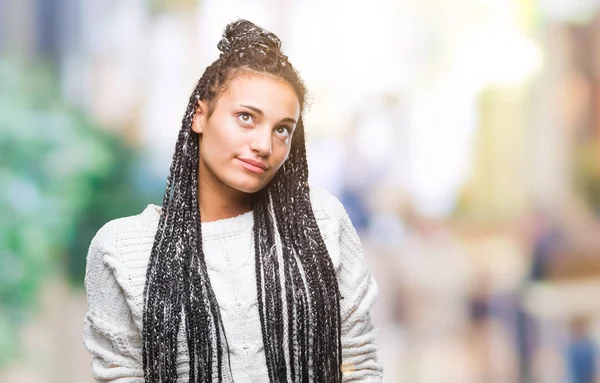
(248, 136)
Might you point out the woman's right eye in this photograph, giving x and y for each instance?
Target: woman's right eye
(246, 118)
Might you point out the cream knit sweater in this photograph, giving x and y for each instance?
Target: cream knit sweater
(116, 272)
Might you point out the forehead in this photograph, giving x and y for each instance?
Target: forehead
(270, 94)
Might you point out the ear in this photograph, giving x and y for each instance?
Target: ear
(200, 117)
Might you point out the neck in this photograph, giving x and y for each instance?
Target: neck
(221, 202)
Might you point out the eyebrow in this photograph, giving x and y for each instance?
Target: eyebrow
(261, 113)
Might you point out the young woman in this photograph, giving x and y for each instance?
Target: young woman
(244, 274)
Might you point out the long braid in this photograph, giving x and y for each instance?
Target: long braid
(292, 264)
(306, 239)
(263, 241)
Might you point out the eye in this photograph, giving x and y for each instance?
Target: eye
(245, 117)
(283, 131)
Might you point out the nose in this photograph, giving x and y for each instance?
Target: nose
(261, 143)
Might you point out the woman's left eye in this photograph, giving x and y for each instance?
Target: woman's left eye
(284, 131)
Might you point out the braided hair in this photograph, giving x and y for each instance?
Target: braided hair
(297, 291)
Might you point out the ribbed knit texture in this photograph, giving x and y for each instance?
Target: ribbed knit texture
(116, 272)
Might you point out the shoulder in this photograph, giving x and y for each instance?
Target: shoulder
(117, 260)
(330, 213)
(117, 235)
(335, 225)
(327, 206)
(116, 266)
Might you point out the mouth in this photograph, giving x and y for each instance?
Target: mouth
(253, 166)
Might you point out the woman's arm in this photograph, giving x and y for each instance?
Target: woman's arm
(360, 291)
(110, 334)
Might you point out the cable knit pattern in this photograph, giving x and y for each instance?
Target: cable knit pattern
(116, 272)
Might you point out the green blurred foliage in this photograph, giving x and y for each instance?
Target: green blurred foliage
(164, 6)
(62, 178)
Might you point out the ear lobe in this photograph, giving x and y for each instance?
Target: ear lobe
(199, 117)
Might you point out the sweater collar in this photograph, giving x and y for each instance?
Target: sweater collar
(219, 228)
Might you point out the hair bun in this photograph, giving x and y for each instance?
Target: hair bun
(243, 34)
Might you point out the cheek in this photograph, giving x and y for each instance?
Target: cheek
(280, 155)
(286, 148)
(221, 142)
(212, 153)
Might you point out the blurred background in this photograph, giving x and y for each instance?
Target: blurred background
(462, 136)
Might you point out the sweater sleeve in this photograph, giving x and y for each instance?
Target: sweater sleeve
(359, 289)
(109, 334)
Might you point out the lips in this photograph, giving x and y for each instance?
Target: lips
(253, 166)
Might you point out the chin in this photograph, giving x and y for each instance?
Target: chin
(249, 187)
(249, 190)
(247, 183)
